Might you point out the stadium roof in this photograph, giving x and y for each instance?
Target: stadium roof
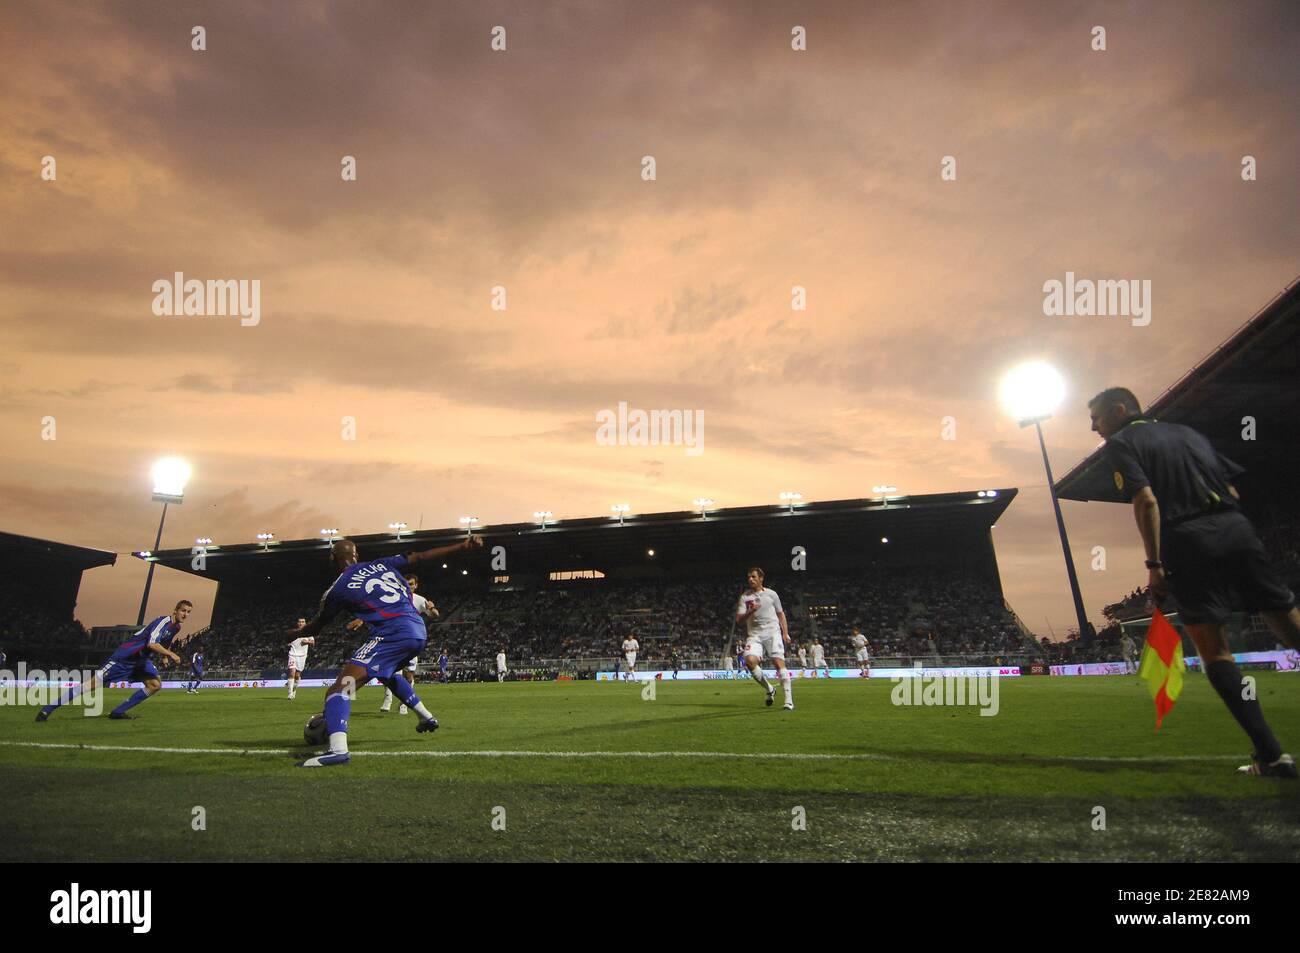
(1255, 373)
(74, 557)
(836, 534)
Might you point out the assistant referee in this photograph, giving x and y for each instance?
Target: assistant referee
(1201, 547)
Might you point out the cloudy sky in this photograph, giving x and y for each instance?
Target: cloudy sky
(523, 169)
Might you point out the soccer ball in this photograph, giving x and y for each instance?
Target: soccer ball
(315, 731)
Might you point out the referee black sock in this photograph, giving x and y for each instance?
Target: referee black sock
(1228, 682)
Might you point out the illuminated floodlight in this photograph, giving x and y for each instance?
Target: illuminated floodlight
(397, 528)
(703, 503)
(649, 552)
(1032, 392)
(542, 516)
(790, 498)
(468, 522)
(265, 540)
(884, 539)
(170, 475)
(203, 541)
(621, 509)
(330, 534)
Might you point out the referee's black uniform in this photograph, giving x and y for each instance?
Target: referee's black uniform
(1214, 562)
(1213, 559)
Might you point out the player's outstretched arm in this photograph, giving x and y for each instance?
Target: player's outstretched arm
(785, 632)
(466, 544)
(162, 650)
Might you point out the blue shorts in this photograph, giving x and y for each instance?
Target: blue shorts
(134, 669)
(384, 656)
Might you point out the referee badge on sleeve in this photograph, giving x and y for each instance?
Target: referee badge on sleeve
(1119, 481)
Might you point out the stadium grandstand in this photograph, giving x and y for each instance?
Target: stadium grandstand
(1245, 397)
(918, 574)
(41, 626)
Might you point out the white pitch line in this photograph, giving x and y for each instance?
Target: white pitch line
(709, 755)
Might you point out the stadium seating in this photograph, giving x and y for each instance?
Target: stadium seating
(912, 615)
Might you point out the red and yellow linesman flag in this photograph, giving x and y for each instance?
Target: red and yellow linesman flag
(1162, 664)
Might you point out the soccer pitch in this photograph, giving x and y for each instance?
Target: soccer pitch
(703, 772)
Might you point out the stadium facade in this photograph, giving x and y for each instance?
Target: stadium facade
(934, 531)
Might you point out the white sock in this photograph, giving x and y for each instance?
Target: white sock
(423, 712)
(402, 710)
(339, 742)
(388, 699)
(785, 683)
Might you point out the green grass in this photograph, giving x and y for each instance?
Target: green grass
(921, 783)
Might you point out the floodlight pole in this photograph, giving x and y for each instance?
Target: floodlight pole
(148, 580)
(1060, 525)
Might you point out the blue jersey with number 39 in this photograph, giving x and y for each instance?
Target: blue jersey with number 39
(376, 593)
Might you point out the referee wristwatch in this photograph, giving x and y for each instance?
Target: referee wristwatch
(1155, 564)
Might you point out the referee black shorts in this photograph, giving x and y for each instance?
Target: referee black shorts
(1216, 565)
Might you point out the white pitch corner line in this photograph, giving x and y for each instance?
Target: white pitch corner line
(707, 755)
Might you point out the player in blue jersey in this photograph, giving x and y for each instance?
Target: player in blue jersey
(443, 661)
(377, 594)
(133, 662)
(196, 669)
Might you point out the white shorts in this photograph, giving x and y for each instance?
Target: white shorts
(766, 646)
(803, 659)
(631, 659)
(864, 655)
(296, 664)
(819, 661)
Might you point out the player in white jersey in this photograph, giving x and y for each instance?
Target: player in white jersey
(803, 660)
(298, 658)
(630, 647)
(427, 609)
(766, 634)
(819, 658)
(1128, 648)
(861, 652)
(501, 665)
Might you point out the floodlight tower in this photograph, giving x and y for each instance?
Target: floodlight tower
(170, 475)
(1031, 393)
